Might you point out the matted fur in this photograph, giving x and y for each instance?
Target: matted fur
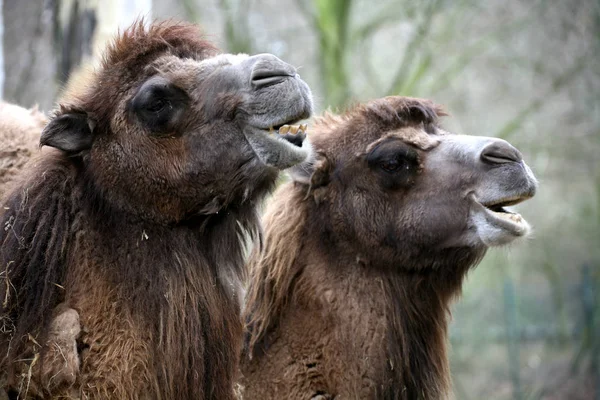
(273, 270)
(20, 130)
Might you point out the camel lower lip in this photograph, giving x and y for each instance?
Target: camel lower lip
(508, 216)
(506, 220)
(274, 150)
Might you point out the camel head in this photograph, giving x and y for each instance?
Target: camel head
(169, 128)
(394, 188)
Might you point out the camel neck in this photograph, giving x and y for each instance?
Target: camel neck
(413, 359)
(417, 314)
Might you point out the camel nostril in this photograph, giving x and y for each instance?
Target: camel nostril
(500, 152)
(263, 77)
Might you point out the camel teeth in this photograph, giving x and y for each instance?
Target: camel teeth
(294, 129)
(284, 129)
(303, 127)
(271, 130)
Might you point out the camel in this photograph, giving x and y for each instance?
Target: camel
(365, 249)
(20, 131)
(122, 246)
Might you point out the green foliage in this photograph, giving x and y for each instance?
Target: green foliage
(237, 32)
(330, 20)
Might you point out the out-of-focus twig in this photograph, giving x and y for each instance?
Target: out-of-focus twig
(535, 105)
(421, 33)
(237, 31)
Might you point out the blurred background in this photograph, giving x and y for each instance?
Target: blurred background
(528, 323)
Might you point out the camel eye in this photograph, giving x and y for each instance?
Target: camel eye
(392, 165)
(159, 105)
(395, 163)
(393, 156)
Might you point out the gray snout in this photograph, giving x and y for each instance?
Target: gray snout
(496, 168)
(268, 70)
(500, 152)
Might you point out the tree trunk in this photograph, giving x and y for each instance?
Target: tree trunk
(1, 50)
(45, 41)
(30, 59)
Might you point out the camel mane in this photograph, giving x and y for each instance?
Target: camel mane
(271, 266)
(38, 221)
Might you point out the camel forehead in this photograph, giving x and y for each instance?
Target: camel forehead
(170, 62)
(191, 69)
(366, 138)
(415, 136)
(412, 120)
(127, 59)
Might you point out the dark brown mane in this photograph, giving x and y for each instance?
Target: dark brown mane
(38, 220)
(42, 220)
(139, 43)
(417, 338)
(387, 113)
(272, 272)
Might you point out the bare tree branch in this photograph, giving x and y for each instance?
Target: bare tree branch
(388, 15)
(237, 32)
(331, 25)
(458, 65)
(415, 43)
(558, 83)
(191, 10)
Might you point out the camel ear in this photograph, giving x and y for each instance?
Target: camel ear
(69, 132)
(314, 172)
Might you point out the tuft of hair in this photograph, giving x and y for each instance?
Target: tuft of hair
(391, 111)
(36, 222)
(273, 268)
(127, 56)
(139, 43)
(20, 130)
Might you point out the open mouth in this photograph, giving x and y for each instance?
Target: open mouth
(280, 145)
(498, 215)
(497, 208)
(287, 130)
(293, 129)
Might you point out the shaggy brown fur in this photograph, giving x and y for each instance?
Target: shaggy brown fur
(20, 131)
(121, 253)
(363, 254)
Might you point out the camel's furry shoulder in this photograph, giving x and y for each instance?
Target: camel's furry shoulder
(20, 130)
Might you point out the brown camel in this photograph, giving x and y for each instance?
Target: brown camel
(20, 131)
(122, 247)
(365, 250)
